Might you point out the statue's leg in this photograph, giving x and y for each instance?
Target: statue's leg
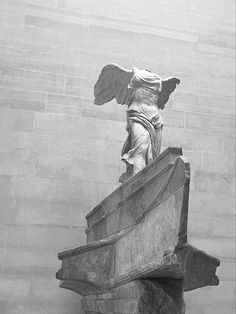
(140, 147)
(139, 152)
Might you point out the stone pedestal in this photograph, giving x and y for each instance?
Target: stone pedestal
(139, 297)
(137, 259)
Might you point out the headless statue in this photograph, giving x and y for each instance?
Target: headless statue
(145, 93)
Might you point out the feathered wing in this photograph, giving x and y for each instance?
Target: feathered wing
(112, 83)
(168, 86)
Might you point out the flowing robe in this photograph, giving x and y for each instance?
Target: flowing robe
(144, 124)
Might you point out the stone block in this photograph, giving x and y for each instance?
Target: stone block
(176, 136)
(73, 88)
(16, 163)
(215, 41)
(23, 120)
(206, 142)
(30, 187)
(200, 224)
(16, 258)
(5, 186)
(229, 150)
(226, 271)
(214, 204)
(105, 129)
(46, 144)
(43, 237)
(194, 102)
(216, 104)
(16, 236)
(52, 167)
(99, 114)
(8, 141)
(216, 310)
(62, 104)
(51, 22)
(224, 226)
(41, 307)
(17, 120)
(45, 289)
(213, 183)
(8, 210)
(190, 61)
(227, 298)
(3, 235)
(215, 50)
(63, 100)
(52, 238)
(46, 3)
(38, 81)
(14, 288)
(173, 118)
(217, 163)
(209, 122)
(55, 123)
(74, 189)
(43, 212)
(17, 99)
(3, 306)
(41, 61)
(220, 247)
(95, 172)
(218, 299)
(97, 151)
(225, 64)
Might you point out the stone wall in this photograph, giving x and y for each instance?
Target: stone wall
(59, 154)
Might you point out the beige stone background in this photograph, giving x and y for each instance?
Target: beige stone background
(60, 155)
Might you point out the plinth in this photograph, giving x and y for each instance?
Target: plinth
(137, 259)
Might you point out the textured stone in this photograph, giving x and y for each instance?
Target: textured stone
(11, 288)
(151, 296)
(131, 195)
(149, 242)
(37, 81)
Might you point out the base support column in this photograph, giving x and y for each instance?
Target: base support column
(144, 296)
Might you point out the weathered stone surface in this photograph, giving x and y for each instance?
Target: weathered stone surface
(123, 206)
(147, 242)
(139, 297)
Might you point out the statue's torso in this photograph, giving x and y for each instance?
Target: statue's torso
(144, 103)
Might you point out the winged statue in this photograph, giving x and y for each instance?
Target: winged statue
(144, 93)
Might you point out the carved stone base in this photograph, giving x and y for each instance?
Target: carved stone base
(137, 259)
(144, 296)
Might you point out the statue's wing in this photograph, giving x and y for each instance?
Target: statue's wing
(168, 86)
(112, 83)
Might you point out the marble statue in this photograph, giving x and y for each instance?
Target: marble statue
(145, 93)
